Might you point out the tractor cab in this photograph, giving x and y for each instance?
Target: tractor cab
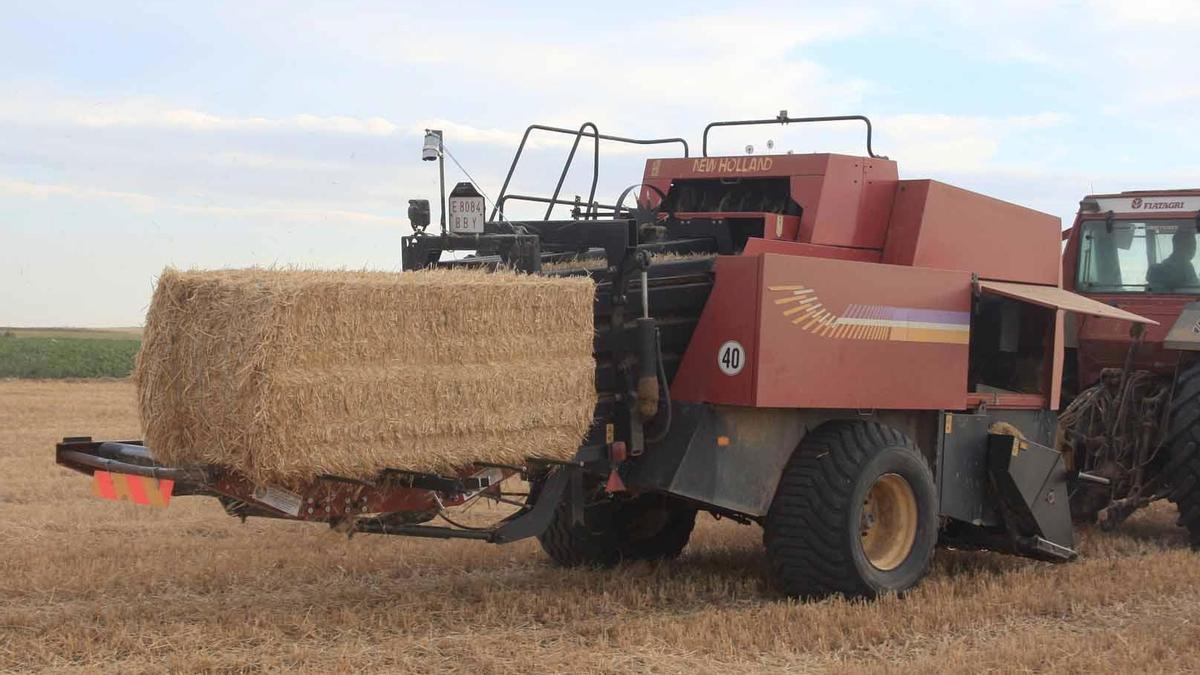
(1133, 404)
(1138, 251)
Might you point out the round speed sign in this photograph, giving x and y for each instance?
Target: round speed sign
(731, 357)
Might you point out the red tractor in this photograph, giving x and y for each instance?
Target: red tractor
(864, 366)
(1135, 421)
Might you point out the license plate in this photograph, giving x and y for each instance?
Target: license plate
(137, 489)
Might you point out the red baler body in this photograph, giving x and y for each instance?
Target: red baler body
(864, 299)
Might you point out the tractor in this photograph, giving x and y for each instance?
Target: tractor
(1134, 415)
(864, 366)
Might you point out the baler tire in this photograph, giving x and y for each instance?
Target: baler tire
(1183, 451)
(607, 539)
(814, 532)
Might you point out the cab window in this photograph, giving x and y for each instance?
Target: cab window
(1126, 256)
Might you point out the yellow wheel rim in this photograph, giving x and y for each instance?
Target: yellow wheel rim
(888, 525)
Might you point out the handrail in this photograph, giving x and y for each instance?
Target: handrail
(578, 134)
(593, 208)
(782, 118)
(567, 168)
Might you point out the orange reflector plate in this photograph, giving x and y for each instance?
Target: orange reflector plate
(137, 489)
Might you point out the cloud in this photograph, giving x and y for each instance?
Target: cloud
(637, 77)
(150, 113)
(44, 191)
(938, 142)
(277, 215)
(254, 132)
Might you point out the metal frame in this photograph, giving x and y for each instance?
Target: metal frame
(782, 118)
(579, 134)
(408, 494)
(521, 245)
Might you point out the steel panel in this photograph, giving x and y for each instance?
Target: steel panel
(873, 337)
(1185, 332)
(1057, 298)
(731, 313)
(756, 246)
(945, 227)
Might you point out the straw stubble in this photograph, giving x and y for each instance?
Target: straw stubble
(287, 374)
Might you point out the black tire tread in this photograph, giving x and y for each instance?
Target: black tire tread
(808, 552)
(574, 546)
(1183, 451)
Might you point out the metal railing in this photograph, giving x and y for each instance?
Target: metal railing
(586, 130)
(782, 118)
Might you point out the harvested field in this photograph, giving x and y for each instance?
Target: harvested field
(96, 586)
(287, 374)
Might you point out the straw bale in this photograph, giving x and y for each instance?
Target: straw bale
(286, 374)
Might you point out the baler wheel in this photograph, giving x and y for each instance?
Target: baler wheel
(855, 513)
(1183, 451)
(648, 527)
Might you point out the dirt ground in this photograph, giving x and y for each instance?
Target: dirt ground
(87, 585)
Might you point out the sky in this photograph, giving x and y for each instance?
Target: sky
(135, 136)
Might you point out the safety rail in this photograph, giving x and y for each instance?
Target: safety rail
(579, 134)
(593, 211)
(782, 118)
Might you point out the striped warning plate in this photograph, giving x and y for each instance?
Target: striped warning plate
(137, 489)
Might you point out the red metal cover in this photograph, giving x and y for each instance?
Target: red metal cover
(1057, 298)
(846, 199)
(756, 246)
(822, 333)
(941, 226)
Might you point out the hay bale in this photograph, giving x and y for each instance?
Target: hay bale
(287, 374)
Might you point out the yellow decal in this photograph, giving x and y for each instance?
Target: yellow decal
(727, 165)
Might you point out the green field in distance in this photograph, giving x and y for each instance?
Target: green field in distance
(68, 352)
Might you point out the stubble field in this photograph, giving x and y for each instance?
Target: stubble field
(87, 585)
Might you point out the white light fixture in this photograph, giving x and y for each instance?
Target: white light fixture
(433, 145)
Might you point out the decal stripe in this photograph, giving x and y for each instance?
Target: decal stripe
(873, 322)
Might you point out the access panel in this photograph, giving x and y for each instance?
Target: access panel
(843, 334)
(798, 332)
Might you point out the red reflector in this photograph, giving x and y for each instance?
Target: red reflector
(137, 489)
(614, 484)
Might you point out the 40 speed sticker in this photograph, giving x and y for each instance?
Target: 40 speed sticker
(731, 357)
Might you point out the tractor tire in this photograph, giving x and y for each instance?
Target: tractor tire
(648, 527)
(1183, 451)
(855, 514)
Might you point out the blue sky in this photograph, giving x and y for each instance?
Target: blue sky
(139, 135)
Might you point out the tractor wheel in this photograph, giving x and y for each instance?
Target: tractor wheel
(648, 527)
(855, 514)
(1183, 451)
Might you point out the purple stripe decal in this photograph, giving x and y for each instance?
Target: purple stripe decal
(926, 315)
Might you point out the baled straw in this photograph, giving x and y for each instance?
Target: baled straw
(287, 374)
